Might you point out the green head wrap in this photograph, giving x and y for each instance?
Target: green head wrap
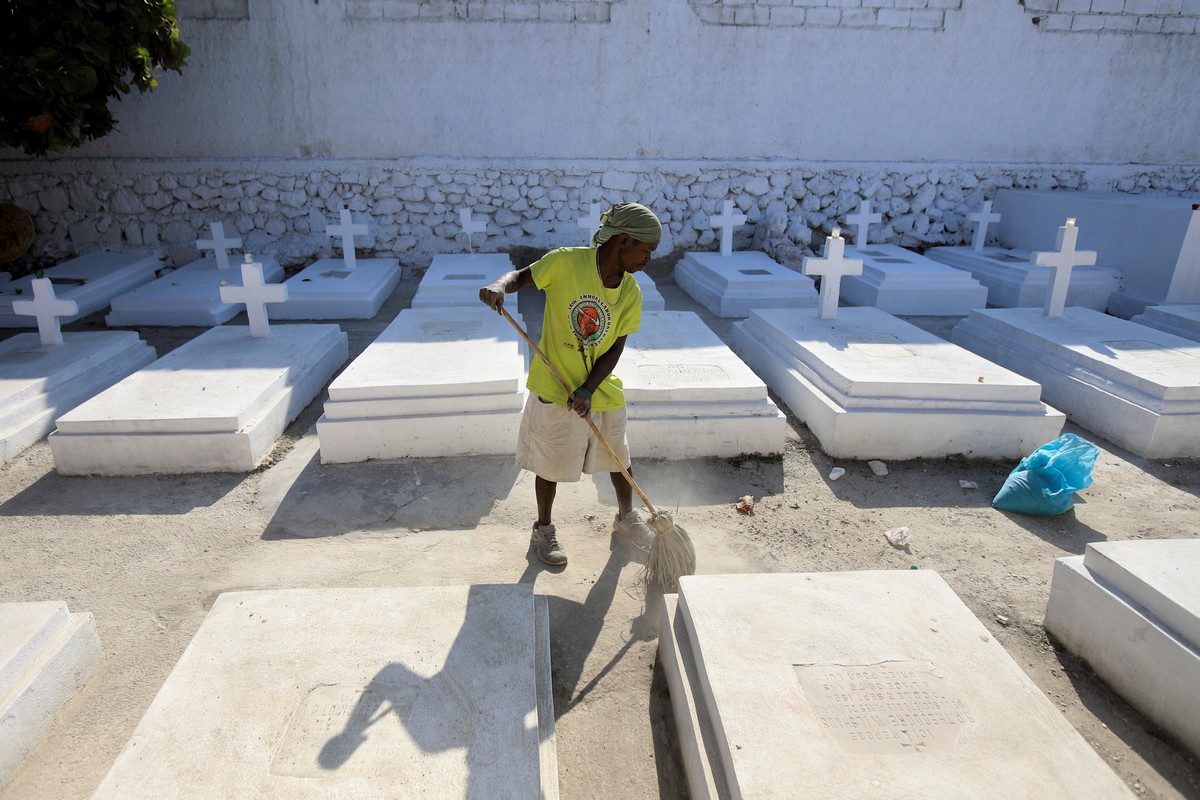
(632, 219)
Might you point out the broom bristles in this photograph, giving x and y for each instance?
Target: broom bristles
(671, 556)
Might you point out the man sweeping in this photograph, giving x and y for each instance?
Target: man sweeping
(593, 303)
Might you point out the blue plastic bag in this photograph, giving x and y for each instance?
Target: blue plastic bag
(1045, 482)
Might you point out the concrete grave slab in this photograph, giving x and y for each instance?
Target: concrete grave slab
(455, 280)
(870, 385)
(1136, 386)
(1183, 321)
(652, 299)
(46, 657)
(730, 286)
(91, 281)
(38, 383)
(1132, 610)
(327, 289)
(1153, 240)
(216, 404)
(871, 684)
(365, 693)
(436, 382)
(1013, 282)
(900, 281)
(191, 295)
(689, 396)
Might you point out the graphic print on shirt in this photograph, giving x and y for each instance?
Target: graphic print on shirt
(590, 320)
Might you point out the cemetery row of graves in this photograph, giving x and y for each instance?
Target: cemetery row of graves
(1073, 305)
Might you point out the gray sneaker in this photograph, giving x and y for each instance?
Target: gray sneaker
(633, 529)
(546, 546)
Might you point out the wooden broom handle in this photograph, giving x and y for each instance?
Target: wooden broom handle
(571, 394)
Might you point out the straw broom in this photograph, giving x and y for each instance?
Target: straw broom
(672, 555)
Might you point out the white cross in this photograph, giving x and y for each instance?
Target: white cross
(1062, 261)
(347, 230)
(727, 221)
(47, 308)
(219, 244)
(591, 223)
(832, 267)
(983, 219)
(862, 223)
(255, 294)
(470, 226)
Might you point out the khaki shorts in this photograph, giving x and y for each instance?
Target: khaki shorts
(557, 445)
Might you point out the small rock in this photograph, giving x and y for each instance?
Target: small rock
(836, 473)
(1003, 620)
(745, 504)
(898, 537)
(878, 467)
(968, 485)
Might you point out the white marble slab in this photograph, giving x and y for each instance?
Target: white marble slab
(1183, 321)
(326, 289)
(455, 280)
(363, 693)
(870, 385)
(1153, 240)
(91, 280)
(689, 396)
(46, 657)
(40, 383)
(872, 684)
(191, 295)
(1131, 609)
(216, 404)
(652, 299)
(1013, 282)
(1136, 386)
(730, 286)
(900, 281)
(436, 382)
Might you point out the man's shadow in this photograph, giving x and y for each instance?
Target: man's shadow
(476, 703)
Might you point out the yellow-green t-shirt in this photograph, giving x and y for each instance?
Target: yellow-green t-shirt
(583, 318)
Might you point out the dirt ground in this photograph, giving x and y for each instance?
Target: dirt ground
(149, 555)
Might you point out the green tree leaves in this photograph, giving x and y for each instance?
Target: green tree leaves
(62, 61)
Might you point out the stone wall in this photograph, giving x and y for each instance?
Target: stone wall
(1165, 17)
(281, 207)
(916, 14)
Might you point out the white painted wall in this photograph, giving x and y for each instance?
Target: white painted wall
(298, 78)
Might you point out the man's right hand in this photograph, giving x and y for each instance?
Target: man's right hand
(492, 296)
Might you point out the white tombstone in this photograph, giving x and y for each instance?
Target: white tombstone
(982, 219)
(346, 231)
(1136, 386)
(727, 221)
(689, 396)
(47, 309)
(1131, 610)
(255, 294)
(862, 223)
(591, 223)
(219, 244)
(91, 280)
(215, 404)
(415, 692)
(1154, 240)
(870, 385)
(436, 382)
(1181, 320)
(1062, 260)
(470, 226)
(46, 656)
(832, 267)
(860, 685)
